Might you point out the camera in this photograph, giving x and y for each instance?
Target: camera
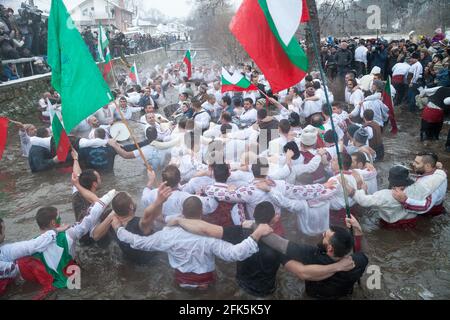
(29, 13)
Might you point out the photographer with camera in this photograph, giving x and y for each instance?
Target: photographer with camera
(380, 57)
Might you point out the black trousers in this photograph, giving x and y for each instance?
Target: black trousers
(430, 131)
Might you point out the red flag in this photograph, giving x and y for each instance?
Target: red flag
(387, 100)
(3, 134)
(266, 30)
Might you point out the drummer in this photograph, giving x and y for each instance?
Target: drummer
(126, 110)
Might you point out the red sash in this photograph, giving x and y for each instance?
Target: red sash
(201, 281)
(432, 115)
(221, 216)
(319, 175)
(398, 79)
(435, 211)
(401, 224)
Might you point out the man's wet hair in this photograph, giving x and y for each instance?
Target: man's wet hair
(121, 204)
(171, 175)
(316, 120)
(45, 215)
(221, 172)
(284, 126)
(429, 158)
(261, 114)
(226, 116)
(249, 100)
(182, 123)
(225, 127)
(309, 78)
(337, 104)
(192, 208)
(100, 133)
(87, 178)
(264, 212)
(260, 168)
(341, 241)
(326, 110)
(317, 85)
(227, 100)
(42, 132)
(185, 94)
(368, 114)
(151, 133)
(360, 157)
(346, 161)
(328, 136)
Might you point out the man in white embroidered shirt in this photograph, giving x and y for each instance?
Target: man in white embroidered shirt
(192, 256)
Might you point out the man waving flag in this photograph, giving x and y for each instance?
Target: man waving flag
(266, 30)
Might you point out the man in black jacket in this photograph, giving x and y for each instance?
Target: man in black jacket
(344, 58)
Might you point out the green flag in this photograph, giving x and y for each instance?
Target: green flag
(74, 72)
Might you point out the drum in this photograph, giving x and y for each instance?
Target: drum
(119, 131)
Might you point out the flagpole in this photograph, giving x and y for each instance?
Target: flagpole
(149, 167)
(335, 136)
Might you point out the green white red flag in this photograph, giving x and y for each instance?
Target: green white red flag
(103, 51)
(134, 74)
(188, 62)
(387, 100)
(236, 82)
(62, 141)
(266, 30)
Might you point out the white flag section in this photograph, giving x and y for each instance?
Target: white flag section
(102, 44)
(286, 15)
(231, 79)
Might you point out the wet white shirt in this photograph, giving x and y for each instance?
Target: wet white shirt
(188, 252)
(10, 252)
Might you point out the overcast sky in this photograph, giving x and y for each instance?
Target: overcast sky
(172, 8)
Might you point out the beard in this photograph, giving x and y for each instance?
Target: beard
(322, 247)
(419, 171)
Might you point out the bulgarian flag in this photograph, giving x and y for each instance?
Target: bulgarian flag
(266, 29)
(62, 141)
(387, 100)
(75, 74)
(103, 51)
(3, 134)
(236, 82)
(188, 62)
(134, 74)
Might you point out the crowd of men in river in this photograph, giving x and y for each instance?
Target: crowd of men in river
(230, 164)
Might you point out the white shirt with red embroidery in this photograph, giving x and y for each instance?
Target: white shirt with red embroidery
(252, 196)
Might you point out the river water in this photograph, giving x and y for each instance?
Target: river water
(414, 264)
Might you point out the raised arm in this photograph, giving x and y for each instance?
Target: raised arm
(154, 209)
(85, 193)
(95, 211)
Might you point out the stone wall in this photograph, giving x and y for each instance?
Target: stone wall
(19, 99)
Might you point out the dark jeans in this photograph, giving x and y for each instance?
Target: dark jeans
(430, 131)
(402, 89)
(412, 93)
(360, 69)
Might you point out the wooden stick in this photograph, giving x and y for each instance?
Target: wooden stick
(149, 167)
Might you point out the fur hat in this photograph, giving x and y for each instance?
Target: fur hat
(309, 136)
